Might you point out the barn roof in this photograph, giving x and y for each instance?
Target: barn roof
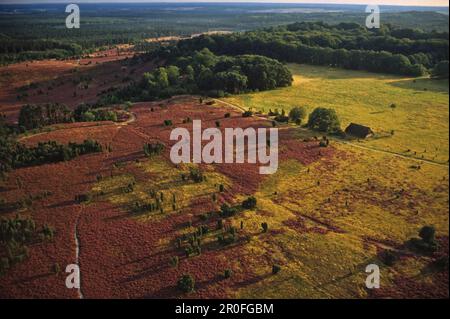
(358, 130)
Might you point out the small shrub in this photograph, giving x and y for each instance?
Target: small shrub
(427, 233)
(249, 203)
(82, 198)
(152, 149)
(324, 142)
(226, 239)
(196, 175)
(174, 261)
(427, 243)
(186, 283)
(202, 230)
(247, 114)
(56, 268)
(227, 211)
(273, 113)
(441, 264)
(388, 257)
(265, 227)
(297, 114)
(227, 273)
(47, 232)
(282, 118)
(276, 269)
(188, 251)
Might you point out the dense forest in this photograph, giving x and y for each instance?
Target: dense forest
(202, 72)
(38, 31)
(347, 45)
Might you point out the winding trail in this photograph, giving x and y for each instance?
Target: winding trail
(419, 160)
(77, 253)
(131, 119)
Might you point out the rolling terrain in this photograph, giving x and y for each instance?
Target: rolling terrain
(86, 175)
(330, 211)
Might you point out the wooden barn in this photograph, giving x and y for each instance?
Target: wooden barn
(358, 130)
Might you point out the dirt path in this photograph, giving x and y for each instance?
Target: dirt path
(131, 119)
(419, 160)
(77, 253)
(240, 108)
(367, 148)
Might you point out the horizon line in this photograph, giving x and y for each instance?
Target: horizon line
(217, 2)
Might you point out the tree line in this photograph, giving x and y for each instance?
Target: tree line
(16, 155)
(348, 46)
(17, 50)
(34, 116)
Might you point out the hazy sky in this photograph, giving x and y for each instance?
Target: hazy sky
(391, 2)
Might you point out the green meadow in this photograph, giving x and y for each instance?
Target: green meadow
(417, 126)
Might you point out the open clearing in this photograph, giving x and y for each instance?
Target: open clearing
(419, 120)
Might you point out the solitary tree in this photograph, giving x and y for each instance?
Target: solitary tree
(324, 120)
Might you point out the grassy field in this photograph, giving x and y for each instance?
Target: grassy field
(326, 234)
(419, 120)
(327, 220)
